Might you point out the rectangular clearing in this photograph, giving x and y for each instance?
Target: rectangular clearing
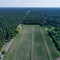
(30, 44)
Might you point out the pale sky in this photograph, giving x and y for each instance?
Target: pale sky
(29, 3)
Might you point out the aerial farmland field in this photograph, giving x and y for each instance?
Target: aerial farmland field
(30, 45)
(29, 34)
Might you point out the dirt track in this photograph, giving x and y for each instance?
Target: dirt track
(32, 54)
(48, 51)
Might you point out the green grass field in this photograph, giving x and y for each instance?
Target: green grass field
(32, 43)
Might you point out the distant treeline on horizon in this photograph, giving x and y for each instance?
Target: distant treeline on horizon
(54, 11)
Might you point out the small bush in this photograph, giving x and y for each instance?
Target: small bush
(3, 52)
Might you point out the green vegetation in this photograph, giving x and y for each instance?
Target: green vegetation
(40, 48)
(50, 21)
(3, 52)
(29, 45)
(21, 48)
(9, 20)
(47, 19)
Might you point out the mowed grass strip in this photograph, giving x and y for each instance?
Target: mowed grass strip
(21, 50)
(55, 54)
(11, 54)
(40, 48)
(29, 45)
(41, 52)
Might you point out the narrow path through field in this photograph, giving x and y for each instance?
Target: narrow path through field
(22, 36)
(20, 42)
(32, 54)
(48, 51)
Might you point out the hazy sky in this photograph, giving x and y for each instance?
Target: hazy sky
(29, 3)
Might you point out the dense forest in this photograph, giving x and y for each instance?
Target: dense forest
(50, 20)
(9, 20)
(46, 17)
